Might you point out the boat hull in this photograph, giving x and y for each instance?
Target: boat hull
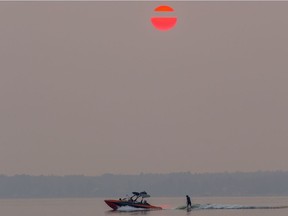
(115, 204)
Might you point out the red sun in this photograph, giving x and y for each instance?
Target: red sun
(164, 23)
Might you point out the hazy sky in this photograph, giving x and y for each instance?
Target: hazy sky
(92, 88)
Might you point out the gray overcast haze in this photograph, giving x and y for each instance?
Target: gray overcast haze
(92, 88)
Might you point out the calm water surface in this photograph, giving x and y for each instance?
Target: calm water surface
(97, 207)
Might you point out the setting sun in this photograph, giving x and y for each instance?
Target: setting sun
(163, 23)
(164, 8)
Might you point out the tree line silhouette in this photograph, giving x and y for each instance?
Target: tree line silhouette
(172, 184)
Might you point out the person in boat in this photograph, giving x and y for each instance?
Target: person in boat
(131, 200)
(145, 202)
(188, 202)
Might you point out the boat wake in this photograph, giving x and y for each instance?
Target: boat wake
(225, 206)
(130, 209)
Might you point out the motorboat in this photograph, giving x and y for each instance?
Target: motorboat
(137, 200)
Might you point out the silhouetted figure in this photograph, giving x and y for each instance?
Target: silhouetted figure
(188, 202)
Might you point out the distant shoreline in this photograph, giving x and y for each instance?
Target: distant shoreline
(270, 183)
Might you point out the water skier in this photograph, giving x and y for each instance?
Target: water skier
(188, 202)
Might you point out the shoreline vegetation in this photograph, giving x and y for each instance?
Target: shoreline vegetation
(261, 183)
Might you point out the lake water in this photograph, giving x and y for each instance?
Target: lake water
(97, 207)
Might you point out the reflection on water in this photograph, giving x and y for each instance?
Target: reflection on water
(97, 207)
(136, 212)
